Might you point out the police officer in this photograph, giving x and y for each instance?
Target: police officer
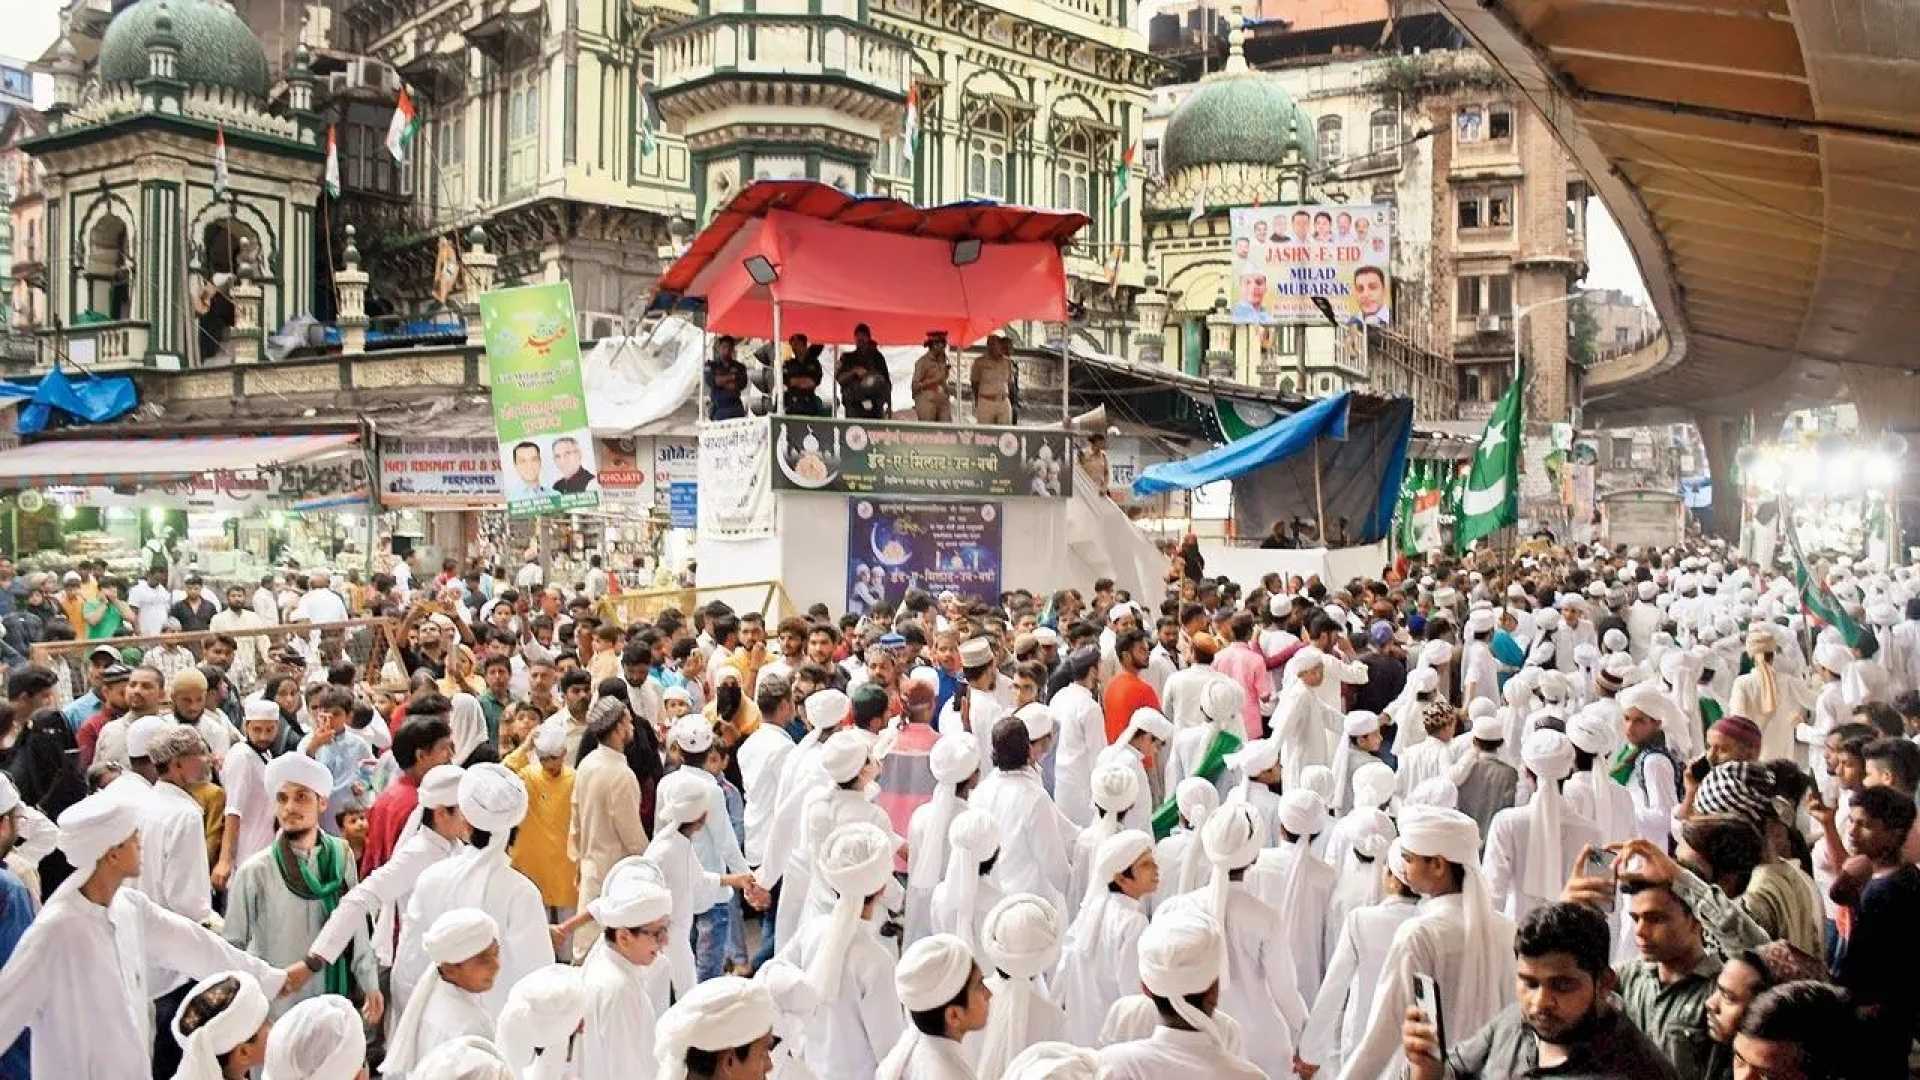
(992, 378)
(930, 374)
(866, 390)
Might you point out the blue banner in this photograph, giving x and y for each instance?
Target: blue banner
(893, 546)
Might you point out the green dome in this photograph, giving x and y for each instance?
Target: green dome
(1242, 118)
(216, 47)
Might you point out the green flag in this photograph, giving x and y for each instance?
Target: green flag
(1490, 500)
(1817, 601)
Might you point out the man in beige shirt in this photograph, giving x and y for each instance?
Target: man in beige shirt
(931, 402)
(606, 823)
(992, 377)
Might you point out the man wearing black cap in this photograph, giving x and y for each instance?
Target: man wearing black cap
(931, 402)
(800, 379)
(82, 708)
(866, 390)
(726, 382)
(113, 703)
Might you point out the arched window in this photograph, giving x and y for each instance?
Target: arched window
(1286, 384)
(1073, 173)
(988, 137)
(1329, 139)
(109, 273)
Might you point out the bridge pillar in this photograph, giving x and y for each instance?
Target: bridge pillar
(1721, 437)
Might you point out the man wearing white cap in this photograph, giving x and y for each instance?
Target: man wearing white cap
(1485, 783)
(1358, 748)
(1099, 960)
(723, 1030)
(321, 1038)
(1339, 1014)
(787, 859)
(955, 761)
(718, 849)
(1479, 671)
(850, 760)
(1457, 939)
(435, 831)
(281, 897)
(945, 998)
(1121, 618)
(540, 1024)
(493, 801)
(1036, 838)
(1195, 800)
(1829, 711)
(967, 892)
(249, 823)
(1303, 724)
(464, 948)
(1117, 791)
(680, 811)
(1145, 738)
(79, 977)
(974, 707)
(1083, 734)
(847, 965)
(1294, 880)
(1529, 849)
(1180, 968)
(633, 914)
(1645, 765)
(1643, 620)
(1020, 941)
(1257, 764)
(1260, 986)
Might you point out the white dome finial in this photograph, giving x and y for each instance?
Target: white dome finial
(1236, 42)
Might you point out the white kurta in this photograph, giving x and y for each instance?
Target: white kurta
(244, 776)
(918, 1056)
(1479, 675)
(1259, 987)
(855, 1027)
(1303, 931)
(1431, 943)
(1339, 1013)
(694, 889)
(1036, 839)
(1189, 745)
(829, 810)
(1611, 811)
(618, 1041)
(944, 911)
(1140, 815)
(1504, 859)
(927, 858)
(761, 756)
(79, 979)
(1082, 730)
(451, 1014)
(1172, 1053)
(1643, 621)
(1305, 727)
(477, 878)
(173, 853)
(1099, 963)
(382, 897)
(1421, 762)
(1185, 690)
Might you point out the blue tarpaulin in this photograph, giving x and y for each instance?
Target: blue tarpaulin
(92, 400)
(1276, 442)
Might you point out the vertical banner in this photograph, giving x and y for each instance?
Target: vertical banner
(736, 479)
(676, 480)
(894, 546)
(547, 462)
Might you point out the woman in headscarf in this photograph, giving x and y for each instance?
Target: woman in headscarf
(221, 1028)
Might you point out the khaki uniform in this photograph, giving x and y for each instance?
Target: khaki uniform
(931, 402)
(992, 389)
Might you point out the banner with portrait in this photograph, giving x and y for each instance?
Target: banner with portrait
(894, 546)
(546, 452)
(1286, 256)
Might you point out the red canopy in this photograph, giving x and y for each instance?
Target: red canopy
(844, 260)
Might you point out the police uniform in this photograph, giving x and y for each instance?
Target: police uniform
(930, 373)
(992, 378)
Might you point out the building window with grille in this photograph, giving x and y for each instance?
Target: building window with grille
(1499, 122)
(1329, 139)
(523, 130)
(1073, 173)
(1383, 137)
(988, 137)
(449, 149)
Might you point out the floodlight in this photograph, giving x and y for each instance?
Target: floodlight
(966, 252)
(761, 270)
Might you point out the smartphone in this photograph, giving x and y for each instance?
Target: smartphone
(1600, 863)
(1426, 998)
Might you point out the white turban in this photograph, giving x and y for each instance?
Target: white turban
(972, 838)
(844, 755)
(679, 798)
(931, 973)
(493, 800)
(468, 1057)
(92, 827)
(1436, 654)
(1022, 942)
(692, 734)
(1655, 702)
(1115, 789)
(320, 1038)
(1549, 756)
(1147, 719)
(1197, 799)
(1489, 728)
(1433, 791)
(542, 1012)
(1397, 861)
(719, 1014)
(456, 936)
(142, 732)
(1182, 952)
(1220, 701)
(1252, 759)
(1833, 656)
(550, 738)
(1358, 724)
(1596, 732)
(1114, 856)
(630, 900)
(468, 722)
(1303, 814)
(260, 709)
(1373, 785)
(1052, 1061)
(232, 1026)
(953, 759)
(298, 768)
(827, 708)
(439, 788)
(1648, 590)
(1480, 621)
(1318, 779)
(1307, 658)
(856, 861)
(1455, 837)
(1038, 720)
(1232, 838)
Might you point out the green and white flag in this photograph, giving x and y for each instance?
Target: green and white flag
(1817, 602)
(1490, 500)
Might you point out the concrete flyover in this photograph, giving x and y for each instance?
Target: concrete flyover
(1763, 160)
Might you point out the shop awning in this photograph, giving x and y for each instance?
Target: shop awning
(132, 461)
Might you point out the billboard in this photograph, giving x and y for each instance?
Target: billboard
(895, 545)
(873, 457)
(1284, 256)
(546, 452)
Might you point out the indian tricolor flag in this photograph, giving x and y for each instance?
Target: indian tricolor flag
(332, 175)
(911, 132)
(400, 129)
(1123, 176)
(220, 161)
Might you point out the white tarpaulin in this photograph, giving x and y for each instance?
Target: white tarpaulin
(736, 479)
(634, 383)
(1333, 566)
(1104, 543)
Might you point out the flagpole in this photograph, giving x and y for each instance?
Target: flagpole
(1319, 503)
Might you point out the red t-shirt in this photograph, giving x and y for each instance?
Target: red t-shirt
(386, 819)
(1125, 694)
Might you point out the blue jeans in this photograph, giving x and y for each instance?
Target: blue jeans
(710, 933)
(767, 943)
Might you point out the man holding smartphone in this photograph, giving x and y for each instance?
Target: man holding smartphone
(1563, 1020)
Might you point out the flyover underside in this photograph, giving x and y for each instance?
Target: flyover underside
(1763, 158)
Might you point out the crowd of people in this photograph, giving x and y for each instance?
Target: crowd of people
(1574, 812)
(862, 383)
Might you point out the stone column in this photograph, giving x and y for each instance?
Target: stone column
(1149, 339)
(245, 336)
(350, 283)
(1220, 340)
(481, 265)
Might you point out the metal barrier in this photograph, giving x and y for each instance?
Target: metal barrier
(645, 605)
(367, 650)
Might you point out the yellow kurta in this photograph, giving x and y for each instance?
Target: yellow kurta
(540, 852)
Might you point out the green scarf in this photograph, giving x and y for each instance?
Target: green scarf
(1211, 764)
(323, 879)
(1623, 762)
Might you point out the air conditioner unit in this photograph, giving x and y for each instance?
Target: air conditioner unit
(595, 325)
(1491, 324)
(370, 74)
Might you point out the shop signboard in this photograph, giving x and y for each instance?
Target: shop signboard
(448, 473)
(895, 545)
(626, 472)
(734, 475)
(1285, 256)
(875, 458)
(546, 450)
(336, 481)
(676, 480)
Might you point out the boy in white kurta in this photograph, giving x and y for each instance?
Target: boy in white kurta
(1099, 958)
(1180, 964)
(1339, 1013)
(849, 968)
(956, 767)
(1036, 846)
(1293, 880)
(1020, 941)
(1530, 848)
(633, 914)
(941, 988)
(464, 947)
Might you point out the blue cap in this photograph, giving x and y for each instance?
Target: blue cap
(892, 640)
